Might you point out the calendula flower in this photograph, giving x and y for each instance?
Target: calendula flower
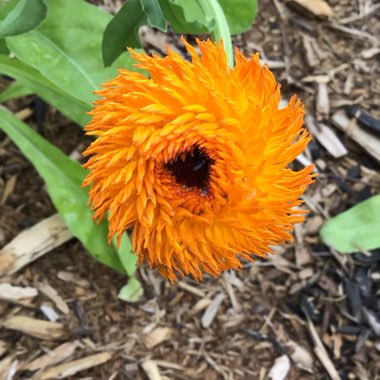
(195, 158)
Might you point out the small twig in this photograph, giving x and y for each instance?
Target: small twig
(361, 15)
(265, 337)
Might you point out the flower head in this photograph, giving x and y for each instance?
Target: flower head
(195, 158)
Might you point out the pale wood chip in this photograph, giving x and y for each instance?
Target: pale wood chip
(24, 113)
(35, 327)
(365, 139)
(54, 296)
(165, 364)
(70, 277)
(49, 313)
(231, 294)
(3, 347)
(150, 368)
(65, 370)
(310, 50)
(321, 352)
(8, 188)
(199, 306)
(32, 243)
(212, 310)
(157, 336)
(59, 354)
(5, 366)
(318, 8)
(326, 136)
(300, 356)
(323, 100)
(280, 369)
(17, 294)
(191, 289)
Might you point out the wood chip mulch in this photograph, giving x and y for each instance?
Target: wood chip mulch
(306, 313)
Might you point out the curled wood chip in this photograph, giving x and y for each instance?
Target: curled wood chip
(32, 243)
(17, 294)
(151, 369)
(212, 310)
(35, 327)
(157, 336)
(69, 369)
(59, 354)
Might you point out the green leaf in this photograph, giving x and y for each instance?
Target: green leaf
(240, 14)
(132, 292)
(73, 108)
(25, 16)
(66, 48)
(187, 16)
(63, 178)
(221, 30)
(126, 255)
(13, 91)
(355, 229)
(122, 31)
(154, 14)
(3, 47)
(199, 16)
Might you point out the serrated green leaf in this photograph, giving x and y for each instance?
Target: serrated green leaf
(25, 16)
(13, 91)
(63, 178)
(73, 108)
(66, 48)
(187, 16)
(240, 14)
(355, 229)
(122, 31)
(154, 14)
(132, 292)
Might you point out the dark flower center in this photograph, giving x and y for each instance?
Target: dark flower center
(191, 169)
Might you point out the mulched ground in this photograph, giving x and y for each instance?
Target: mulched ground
(309, 304)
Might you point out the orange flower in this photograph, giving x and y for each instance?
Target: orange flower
(195, 158)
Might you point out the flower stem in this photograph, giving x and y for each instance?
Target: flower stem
(221, 30)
